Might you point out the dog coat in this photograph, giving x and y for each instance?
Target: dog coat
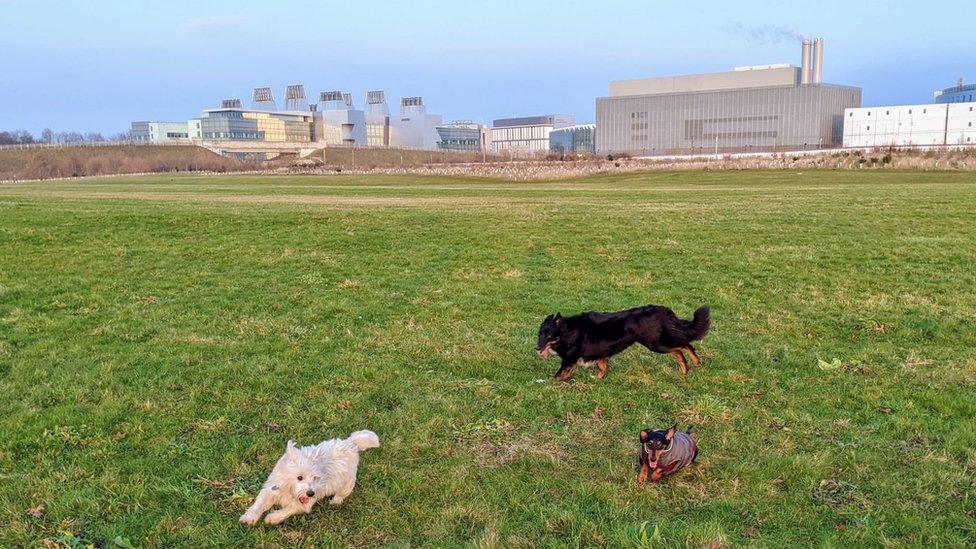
(679, 454)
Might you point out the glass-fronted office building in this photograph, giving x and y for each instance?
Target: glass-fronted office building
(254, 125)
(574, 140)
(962, 93)
(461, 136)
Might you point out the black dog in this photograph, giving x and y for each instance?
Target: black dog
(664, 452)
(595, 337)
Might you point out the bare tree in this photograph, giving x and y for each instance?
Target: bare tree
(16, 137)
(47, 135)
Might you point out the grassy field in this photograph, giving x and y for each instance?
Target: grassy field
(162, 338)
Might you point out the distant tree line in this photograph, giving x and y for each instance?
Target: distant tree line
(49, 136)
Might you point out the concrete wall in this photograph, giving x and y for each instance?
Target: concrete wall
(781, 76)
(343, 127)
(911, 125)
(415, 131)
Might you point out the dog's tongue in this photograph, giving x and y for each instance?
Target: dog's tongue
(652, 464)
(303, 499)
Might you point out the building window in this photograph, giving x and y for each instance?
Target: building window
(869, 128)
(869, 113)
(887, 113)
(909, 111)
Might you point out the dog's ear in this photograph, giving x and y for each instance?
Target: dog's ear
(645, 435)
(671, 431)
(559, 320)
(291, 450)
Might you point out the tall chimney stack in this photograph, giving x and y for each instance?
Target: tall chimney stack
(805, 62)
(818, 61)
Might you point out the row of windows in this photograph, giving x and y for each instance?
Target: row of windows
(634, 115)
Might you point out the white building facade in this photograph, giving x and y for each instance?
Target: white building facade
(338, 122)
(165, 132)
(414, 128)
(940, 124)
(526, 135)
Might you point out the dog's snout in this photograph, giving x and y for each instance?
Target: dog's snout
(310, 493)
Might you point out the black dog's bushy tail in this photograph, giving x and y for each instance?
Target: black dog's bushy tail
(699, 325)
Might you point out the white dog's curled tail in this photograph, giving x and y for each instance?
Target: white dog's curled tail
(364, 440)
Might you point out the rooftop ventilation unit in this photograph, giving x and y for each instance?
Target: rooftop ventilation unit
(330, 96)
(375, 97)
(231, 104)
(263, 99)
(376, 103)
(295, 98)
(335, 101)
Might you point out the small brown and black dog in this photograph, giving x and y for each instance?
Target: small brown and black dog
(595, 337)
(664, 452)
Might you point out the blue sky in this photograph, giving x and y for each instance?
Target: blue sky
(98, 65)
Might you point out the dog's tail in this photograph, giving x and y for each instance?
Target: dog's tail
(364, 440)
(696, 328)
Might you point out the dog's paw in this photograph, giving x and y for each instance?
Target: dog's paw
(249, 519)
(336, 501)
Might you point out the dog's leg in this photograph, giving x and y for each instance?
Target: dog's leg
(642, 476)
(566, 370)
(342, 493)
(602, 365)
(279, 516)
(681, 361)
(657, 474)
(262, 503)
(694, 355)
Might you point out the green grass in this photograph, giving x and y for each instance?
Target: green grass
(161, 339)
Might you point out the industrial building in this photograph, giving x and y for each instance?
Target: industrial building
(165, 132)
(960, 93)
(758, 108)
(377, 119)
(526, 135)
(332, 121)
(463, 136)
(414, 128)
(338, 122)
(938, 124)
(579, 139)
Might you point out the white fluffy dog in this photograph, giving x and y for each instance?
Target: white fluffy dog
(305, 475)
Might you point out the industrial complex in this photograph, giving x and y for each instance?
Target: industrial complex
(762, 108)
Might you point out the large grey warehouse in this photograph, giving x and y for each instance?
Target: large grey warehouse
(761, 108)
